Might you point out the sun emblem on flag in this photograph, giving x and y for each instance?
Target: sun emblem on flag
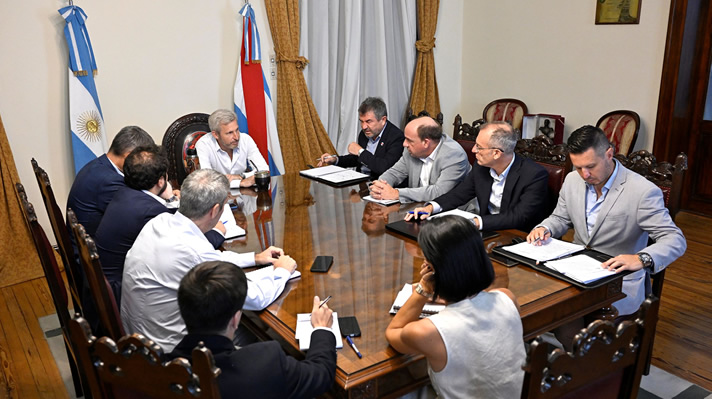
(89, 125)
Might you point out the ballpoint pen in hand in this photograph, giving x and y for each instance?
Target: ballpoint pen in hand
(353, 346)
(325, 301)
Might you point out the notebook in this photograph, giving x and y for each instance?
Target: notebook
(232, 230)
(411, 229)
(334, 175)
(405, 293)
(304, 330)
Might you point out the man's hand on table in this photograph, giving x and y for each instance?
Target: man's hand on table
(268, 255)
(538, 236)
(623, 262)
(321, 316)
(422, 213)
(381, 190)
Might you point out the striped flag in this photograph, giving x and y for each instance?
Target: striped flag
(85, 116)
(253, 102)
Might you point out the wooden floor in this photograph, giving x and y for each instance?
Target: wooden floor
(682, 343)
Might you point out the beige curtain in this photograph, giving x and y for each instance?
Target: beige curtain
(18, 259)
(301, 133)
(424, 96)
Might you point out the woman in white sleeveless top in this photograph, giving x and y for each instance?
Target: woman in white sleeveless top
(474, 346)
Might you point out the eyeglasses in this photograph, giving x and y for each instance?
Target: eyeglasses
(479, 148)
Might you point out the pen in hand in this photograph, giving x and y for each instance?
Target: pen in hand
(325, 301)
(353, 346)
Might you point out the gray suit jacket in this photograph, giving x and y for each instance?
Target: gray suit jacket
(449, 168)
(633, 210)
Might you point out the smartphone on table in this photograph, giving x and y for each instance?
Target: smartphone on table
(322, 264)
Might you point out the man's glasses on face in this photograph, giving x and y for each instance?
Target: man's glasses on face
(479, 148)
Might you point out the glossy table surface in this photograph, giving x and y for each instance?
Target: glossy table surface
(371, 265)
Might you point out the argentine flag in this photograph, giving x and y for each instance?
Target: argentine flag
(253, 102)
(85, 117)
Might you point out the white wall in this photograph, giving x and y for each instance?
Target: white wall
(551, 55)
(448, 59)
(157, 60)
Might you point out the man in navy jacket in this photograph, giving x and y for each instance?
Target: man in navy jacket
(379, 144)
(210, 298)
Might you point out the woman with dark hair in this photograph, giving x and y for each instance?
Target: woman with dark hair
(474, 346)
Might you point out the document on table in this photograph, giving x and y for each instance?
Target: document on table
(321, 171)
(405, 293)
(304, 330)
(382, 202)
(581, 268)
(551, 249)
(456, 212)
(236, 183)
(268, 271)
(343, 176)
(232, 230)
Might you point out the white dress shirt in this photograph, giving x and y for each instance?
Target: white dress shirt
(211, 156)
(428, 166)
(166, 249)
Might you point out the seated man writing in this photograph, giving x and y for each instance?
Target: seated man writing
(211, 297)
(613, 210)
(510, 190)
(227, 150)
(170, 245)
(432, 162)
(379, 143)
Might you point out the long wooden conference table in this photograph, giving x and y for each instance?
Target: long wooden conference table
(371, 265)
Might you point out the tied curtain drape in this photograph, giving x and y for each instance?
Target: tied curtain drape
(424, 96)
(357, 49)
(18, 259)
(301, 133)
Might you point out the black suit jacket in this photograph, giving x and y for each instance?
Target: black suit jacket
(262, 370)
(523, 200)
(123, 219)
(91, 192)
(388, 152)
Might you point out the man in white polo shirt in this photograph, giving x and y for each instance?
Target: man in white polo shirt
(227, 150)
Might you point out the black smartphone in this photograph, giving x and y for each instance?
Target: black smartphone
(503, 259)
(349, 326)
(322, 264)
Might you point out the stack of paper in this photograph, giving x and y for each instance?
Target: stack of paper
(232, 230)
(268, 271)
(551, 249)
(333, 174)
(456, 212)
(581, 268)
(324, 170)
(405, 293)
(304, 330)
(382, 202)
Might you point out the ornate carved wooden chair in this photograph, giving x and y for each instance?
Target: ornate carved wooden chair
(669, 178)
(621, 128)
(181, 135)
(607, 360)
(409, 116)
(466, 134)
(101, 293)
(61, 235)
(553, 157)
(134, 367)
(56, 285)
(506, 109)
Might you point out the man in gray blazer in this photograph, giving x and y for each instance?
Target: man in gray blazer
(613, 210)
(432, 162)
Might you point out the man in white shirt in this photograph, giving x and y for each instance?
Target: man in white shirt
(227, 150)
(432, 162)
(172, 244)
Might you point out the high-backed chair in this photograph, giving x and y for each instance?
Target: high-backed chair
(466, 134)
(134, 367)
(57, 289)
(409, 116)
(669, 178)
(553, 157)
(621, 128)
(101, 293)
(181, 135)
(506, 109)
(607, 360)
(61, 235)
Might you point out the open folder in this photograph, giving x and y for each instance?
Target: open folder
(232, 230)
(405, 293)
(334, 175)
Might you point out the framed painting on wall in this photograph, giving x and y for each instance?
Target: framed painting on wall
(617, 12)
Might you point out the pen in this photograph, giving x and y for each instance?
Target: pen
(353, 346)
(325, 301)
(225, 222)
(328, 156)
(419, 213)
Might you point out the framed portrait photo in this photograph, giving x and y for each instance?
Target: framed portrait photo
(617, 12)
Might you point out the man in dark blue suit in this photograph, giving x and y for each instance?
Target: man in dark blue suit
(210, 297)
(379, 144)
(97, 181)
(510, 189)
(145, 196)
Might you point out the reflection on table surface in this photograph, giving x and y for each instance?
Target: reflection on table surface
(308, 218)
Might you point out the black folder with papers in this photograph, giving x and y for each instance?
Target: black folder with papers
(334, 175)
(541, 266)
(411, 229)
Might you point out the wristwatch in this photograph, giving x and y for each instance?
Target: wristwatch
(420, 291)
(646, 260)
